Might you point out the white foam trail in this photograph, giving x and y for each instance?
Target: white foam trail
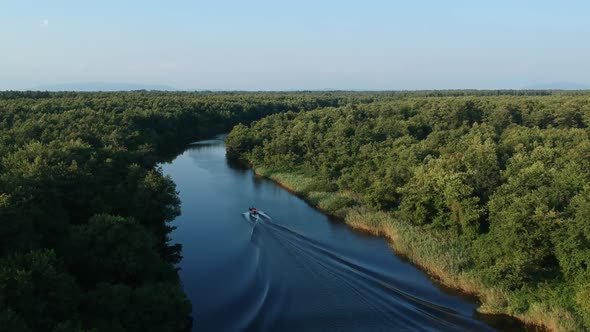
(255, 223)
(248, 216)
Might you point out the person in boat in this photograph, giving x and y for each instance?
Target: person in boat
(253, 210)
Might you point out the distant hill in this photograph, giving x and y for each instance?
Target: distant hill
(559, 86)
(101, 86)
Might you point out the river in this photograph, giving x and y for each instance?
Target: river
(294, 269)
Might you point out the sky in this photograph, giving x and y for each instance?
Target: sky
(295, 45)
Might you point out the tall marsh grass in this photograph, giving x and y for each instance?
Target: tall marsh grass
(443, 257)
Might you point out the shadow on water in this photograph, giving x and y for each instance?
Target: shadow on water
(292, 268)
(237, 165)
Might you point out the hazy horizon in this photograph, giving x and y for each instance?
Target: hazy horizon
(265, 45)
(125, 86)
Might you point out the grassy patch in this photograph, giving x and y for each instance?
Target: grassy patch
(294, 181)
(329, 201)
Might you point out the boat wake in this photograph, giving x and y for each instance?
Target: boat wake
(355, 295)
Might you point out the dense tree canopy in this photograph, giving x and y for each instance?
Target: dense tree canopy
(85, 210)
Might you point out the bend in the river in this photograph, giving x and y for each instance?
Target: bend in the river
(291, 268)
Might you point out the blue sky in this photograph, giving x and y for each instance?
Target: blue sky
(278, 45)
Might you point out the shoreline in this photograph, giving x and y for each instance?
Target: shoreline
(400, 237)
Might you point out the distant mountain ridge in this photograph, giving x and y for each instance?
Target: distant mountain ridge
(118, 86)
(102, 86)
(558, 86)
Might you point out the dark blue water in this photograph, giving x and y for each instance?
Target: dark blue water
(292, 269)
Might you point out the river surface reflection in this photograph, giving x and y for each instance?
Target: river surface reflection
(293, 269)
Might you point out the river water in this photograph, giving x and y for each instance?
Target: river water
(292, 268)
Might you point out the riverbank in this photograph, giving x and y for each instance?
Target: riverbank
(442, 257)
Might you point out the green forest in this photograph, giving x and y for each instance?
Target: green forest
(489, 193)
(493, 185)
(85, 209)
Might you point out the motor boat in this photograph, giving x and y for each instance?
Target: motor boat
(253, 211)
